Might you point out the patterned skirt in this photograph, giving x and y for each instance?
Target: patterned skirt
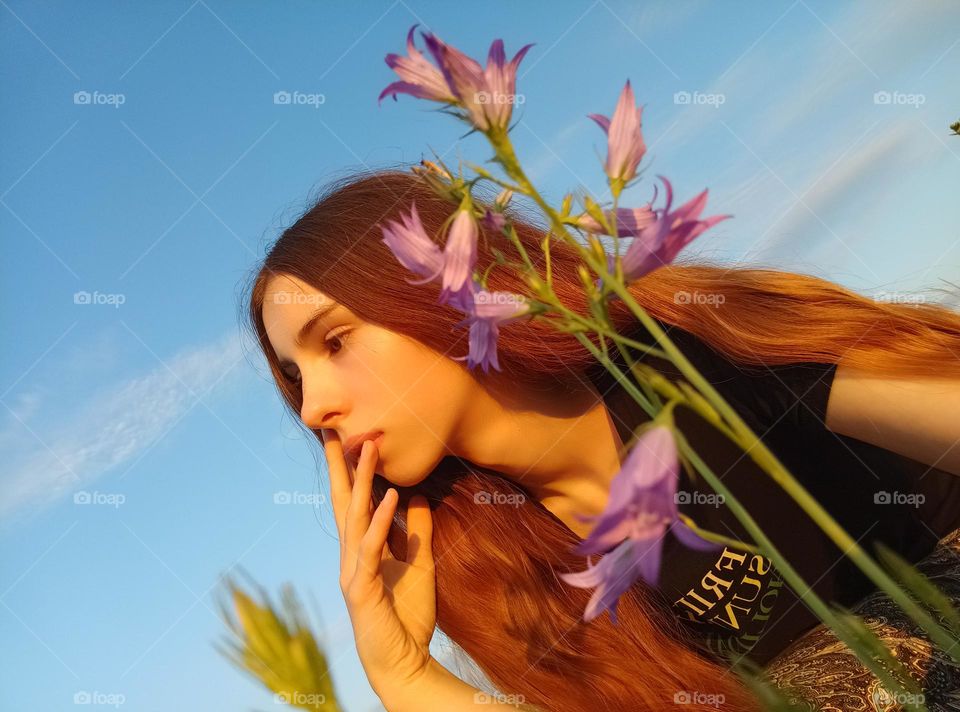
(821, 670)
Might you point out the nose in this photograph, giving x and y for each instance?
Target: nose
(319, 410)
(317, 418)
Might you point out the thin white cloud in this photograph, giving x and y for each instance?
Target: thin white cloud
(847, 53)
(24, 406)
(45, 462)
(883, 158)
(653, 19)
(818, 135)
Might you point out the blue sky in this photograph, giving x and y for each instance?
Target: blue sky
(822, 127)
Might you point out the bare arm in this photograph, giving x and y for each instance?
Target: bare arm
(916, 417)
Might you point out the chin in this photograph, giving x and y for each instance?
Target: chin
(406, 474)
(403, 480)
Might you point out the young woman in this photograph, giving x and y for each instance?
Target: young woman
(474, 479)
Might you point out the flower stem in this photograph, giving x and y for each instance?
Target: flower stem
(761, 454)
(796, 582)
(745, 437)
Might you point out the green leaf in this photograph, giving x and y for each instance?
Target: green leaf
(277, 648)
(920, 586)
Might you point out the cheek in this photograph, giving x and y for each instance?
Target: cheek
(387, 362)
(401, 370)
(416, 393)
(413, 448)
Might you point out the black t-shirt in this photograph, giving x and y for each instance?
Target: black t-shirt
(735, 602)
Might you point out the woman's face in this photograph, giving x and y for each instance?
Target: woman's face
(357, 377)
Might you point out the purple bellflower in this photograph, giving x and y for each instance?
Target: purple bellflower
(487, 95)
(486, 311)
(625, 146)
(659, 242)
(641, 508)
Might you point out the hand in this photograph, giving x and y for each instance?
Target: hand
(392, 603)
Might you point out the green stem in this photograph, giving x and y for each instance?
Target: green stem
(512, 235)
(753, 446)
(648, 388)
(591, 325)
(713, 536)
(759, 453)
(796, 582)
(546, 256)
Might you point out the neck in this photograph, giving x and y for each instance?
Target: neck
(563, 447)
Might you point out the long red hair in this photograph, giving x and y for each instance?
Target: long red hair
(499, 597)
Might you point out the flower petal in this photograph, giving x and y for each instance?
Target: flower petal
(691, 539)
(642, 494)
(418, 77)
(659, 242)
(486, 311)
(616, 572)
(460, 252)
(601, 120)
(412, 247)
(625, 145)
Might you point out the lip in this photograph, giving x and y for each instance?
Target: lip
(352, 447)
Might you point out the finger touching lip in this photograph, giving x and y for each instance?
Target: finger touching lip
(353, 452)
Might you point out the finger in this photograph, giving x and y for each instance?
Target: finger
(359, 512)
(340, 485)
(345, 465)
(419, 532)
(352, 469)
(370, 551)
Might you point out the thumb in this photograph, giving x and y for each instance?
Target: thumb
(419, 532)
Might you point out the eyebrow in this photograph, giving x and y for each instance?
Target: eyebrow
(307, 327)
(312, 322)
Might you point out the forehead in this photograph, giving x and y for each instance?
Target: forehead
(288, 303)
(287, 290)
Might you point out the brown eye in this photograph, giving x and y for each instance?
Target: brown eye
(338, 339)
